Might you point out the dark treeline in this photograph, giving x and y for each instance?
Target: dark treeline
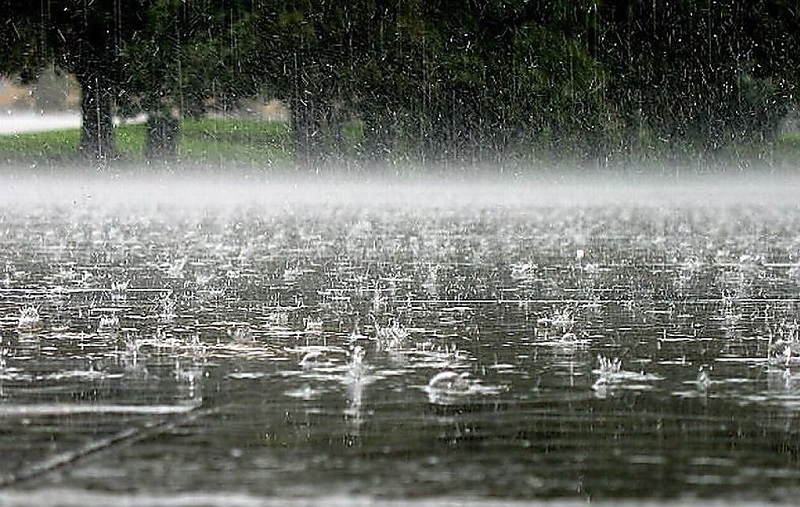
(434, 80)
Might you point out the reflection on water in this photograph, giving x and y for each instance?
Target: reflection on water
(517, 348)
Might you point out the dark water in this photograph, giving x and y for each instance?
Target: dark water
(617, 342)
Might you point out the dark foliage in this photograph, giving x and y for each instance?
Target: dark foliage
(436, 80)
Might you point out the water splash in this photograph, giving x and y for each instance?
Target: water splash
(29, 319)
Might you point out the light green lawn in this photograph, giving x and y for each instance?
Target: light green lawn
(206, 141)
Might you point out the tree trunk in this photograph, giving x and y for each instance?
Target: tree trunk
(380, 129)
(306, 133)
(97, 120)
(334, 119)
(163, 130)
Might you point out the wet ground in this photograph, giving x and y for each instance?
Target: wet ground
(171, 343)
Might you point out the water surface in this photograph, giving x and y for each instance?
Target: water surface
(198, 338)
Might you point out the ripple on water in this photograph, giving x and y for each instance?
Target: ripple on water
(223, 303)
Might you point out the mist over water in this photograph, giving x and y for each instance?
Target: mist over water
(342, 338)
(217, 188)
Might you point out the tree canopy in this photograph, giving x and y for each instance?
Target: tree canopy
(432, 80)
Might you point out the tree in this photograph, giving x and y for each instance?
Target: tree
(700, 75)
(84, 37)
(439, 80)
(504, 77)
(298, 51)
(186, 60)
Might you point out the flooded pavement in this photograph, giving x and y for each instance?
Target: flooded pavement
(241, 344)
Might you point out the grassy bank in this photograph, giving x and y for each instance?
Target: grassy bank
(206, 142)
(225, 142)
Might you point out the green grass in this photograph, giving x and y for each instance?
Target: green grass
(247, 142)
(56, 146)
(227, 142)
(790, 142)
(130, 141)
(201, 142)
